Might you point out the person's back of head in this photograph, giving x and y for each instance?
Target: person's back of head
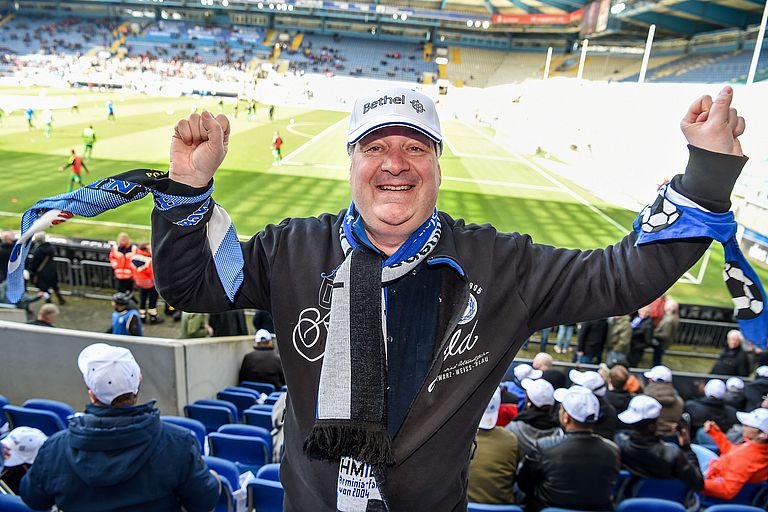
(539, 394)
(579, 408)
(618, 376)
(262, 339)
(714, 390)
(755, 425)
(642, 414)
(111, 375)
(48, 313)
(543, 361)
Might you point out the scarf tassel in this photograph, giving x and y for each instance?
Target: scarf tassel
(332, 440)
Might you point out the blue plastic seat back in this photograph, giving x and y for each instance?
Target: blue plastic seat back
(265, 495)
(193, 425)
(664, 489)
(46, 421)
(248, 430)
(481, 507)
(262, 387)
(557, 509)
(649, 505)
(240, 400)
(619, 489)
(63, 410)
(727, 507)
(261, 407)
(230, 480)
(259, 418)
(271, 400)
(276, 394)
(755, 495)
(269, 472)
(222, 403)
(10, 503)
(241, 389)
(248, 453)
(211, 416)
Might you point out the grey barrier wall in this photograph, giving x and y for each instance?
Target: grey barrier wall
(41, 362)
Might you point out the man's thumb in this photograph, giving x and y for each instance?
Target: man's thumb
(719, 110)
(212, 129)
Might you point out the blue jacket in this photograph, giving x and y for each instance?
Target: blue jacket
(120, 459)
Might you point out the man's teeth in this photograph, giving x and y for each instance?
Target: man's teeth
(401, 187)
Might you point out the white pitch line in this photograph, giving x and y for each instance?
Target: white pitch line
(292, 128)
(483, 157)
(313, 140)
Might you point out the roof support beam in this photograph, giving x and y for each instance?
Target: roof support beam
(713, 13)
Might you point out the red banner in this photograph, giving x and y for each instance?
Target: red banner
(537, 19)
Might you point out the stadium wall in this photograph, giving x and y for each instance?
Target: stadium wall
(40, 362)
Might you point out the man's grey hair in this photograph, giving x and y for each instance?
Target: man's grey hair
(735, 332)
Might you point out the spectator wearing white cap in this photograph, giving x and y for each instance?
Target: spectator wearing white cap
(644, 453)
(757, 389)
(660, 387)
(538, 419)
(521, 372)
(263, 363)
(577, 470)
(711, 407)
(19, 449)
(742, 463)
(733, 360)
(606, 424)
(493, 467)
(734, 393)
(119, 455)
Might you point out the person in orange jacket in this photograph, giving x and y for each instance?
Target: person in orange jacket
(144, 278)
(738, 464)
(120, 259)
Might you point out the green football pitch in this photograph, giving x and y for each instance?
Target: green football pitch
(482, 181)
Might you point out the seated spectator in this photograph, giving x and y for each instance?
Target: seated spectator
(757, 389)
(711, 407)
(46, 315)
(522, 371)
(617, 395)
(645, 455)
(734, 394)
(509, 408)
(544, 362)
(605, 425)
(493, 466)
(738, 464)
(263, 364)
(578, 470)
(119, 455)
(733, 360)
(538, 419)
(20, 448)
(660, 387)
(591, 341)
(633, 384)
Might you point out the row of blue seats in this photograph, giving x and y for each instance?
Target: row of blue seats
(629, 505)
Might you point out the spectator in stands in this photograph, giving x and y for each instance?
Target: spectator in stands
(195, 325)
(7, 239)
(666, 332)
(738, 464)
(19, 449)
(645, 455)
(755, 391)
(493, 467)
(633, 384)
(711, 407)
(734, 394)
(591, 336)
(605, 425)
(125, 318)
(262, 319)
(544, 362)
(510, 406)
(642, 334)
(263, 363)
(538, 419)
(578, 470)
(660, 387)
(46, 315)
(618, 339)
(120, 258)
(617, 395)
(42, 269)
(119, 455)
(522, 371)
(733, 360)
(144, 279)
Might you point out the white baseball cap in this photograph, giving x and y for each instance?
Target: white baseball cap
(756, 419)
(540, 392)
(526, 371)
(491, 414)
(661, 373)
(263, 335)
(641, 407)
(23, 443)
(590, 380)
(579, 402)
(734, 384)
(395, 106)
(715, 388)
(109, 371)
(762, 371)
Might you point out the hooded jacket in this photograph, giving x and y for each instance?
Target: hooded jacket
(708, 408)
(485, 276)
(672, 406)
(533, 424)
(732, 361)
(120, 459)
(647, 456)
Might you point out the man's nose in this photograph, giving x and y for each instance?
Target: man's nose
(395, 161)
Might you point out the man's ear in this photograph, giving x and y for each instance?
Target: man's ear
(93, 398)
(439, 174)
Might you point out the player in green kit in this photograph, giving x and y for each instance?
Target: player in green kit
(89, 139)
(77, 165)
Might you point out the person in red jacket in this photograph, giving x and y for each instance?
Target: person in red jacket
(120, 259)
(144, 278)
(738, 464)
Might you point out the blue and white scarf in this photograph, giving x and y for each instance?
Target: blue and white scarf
(673, 216)
(121, 189)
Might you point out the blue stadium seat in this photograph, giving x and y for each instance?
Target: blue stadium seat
(261, 387)
(665, 489)
(247, 452)
(230, 482)
(259, 418)
(265, 495)
(271, 400)
(481, 507)
(63, 410)
(649, 505)
(193, 425)
(248, 430)
(241, 389)
(241, 400)
(211, 416)
(620, 486)
(276, 394)
(46, 421)
(269, 472)
(755, 495)
(10, 503)
(558, 509)
(261, 407)
(222, 403)
(734, 508)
